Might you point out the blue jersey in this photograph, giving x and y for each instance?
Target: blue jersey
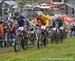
(21, 22)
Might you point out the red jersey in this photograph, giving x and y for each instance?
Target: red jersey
(41, 21)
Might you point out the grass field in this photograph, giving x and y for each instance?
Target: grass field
(54, 52)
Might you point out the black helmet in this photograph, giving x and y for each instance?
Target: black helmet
(1, 22)
(17, 14)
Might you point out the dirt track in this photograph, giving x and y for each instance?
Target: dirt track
(6, 50)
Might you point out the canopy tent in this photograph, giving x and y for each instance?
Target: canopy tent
(1, 1)
(10, 3)
(68, 19)
(28, 5)
(54, 7)
(70, 5)
(44, 4)
(44, 7)
(15, 6)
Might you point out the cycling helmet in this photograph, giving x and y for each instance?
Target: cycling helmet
(39, 13)
(16, 13)
(1, 21)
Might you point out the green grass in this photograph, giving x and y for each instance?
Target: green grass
(54, 52)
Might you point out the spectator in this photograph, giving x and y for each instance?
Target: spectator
(73, 30)
(1, 34)
(11, 34)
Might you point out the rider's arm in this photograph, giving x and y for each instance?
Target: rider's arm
(30, 23)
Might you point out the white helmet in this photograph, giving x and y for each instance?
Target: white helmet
(39, 13)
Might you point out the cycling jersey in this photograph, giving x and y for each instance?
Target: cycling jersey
(41, 21)
(20, 21)
(59, 22)
(45, 20)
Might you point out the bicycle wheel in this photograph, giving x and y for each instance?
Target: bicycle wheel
(40, 41)
(17, 45)
(24, 44)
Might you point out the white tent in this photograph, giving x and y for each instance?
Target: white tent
(44, 4)
(27, 5)
(15, 6)
(1, 1)
(43, 7)
(10, 3)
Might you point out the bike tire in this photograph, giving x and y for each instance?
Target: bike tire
(24, 44)
(17, 45)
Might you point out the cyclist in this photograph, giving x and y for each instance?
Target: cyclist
(22, 35)
(22, 21)
(43, 22)
(42, 19)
